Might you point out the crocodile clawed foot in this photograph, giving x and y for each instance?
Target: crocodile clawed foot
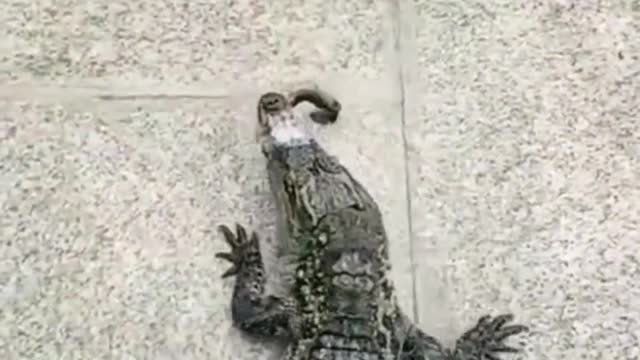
(242, 248)
(487, 339)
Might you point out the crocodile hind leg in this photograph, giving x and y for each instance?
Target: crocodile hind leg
(485, 341)
(328, 106)
(251, 309)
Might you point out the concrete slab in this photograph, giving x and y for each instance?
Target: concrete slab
(523, 145)
(127, 137)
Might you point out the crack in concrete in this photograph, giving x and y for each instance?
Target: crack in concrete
(114, 97)
(398, 47)
(76, 92)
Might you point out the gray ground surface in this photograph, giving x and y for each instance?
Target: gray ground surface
(126, 137)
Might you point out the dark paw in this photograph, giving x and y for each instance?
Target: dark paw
(324, 117)
(487, 339)
(328, 107)
(243, 249)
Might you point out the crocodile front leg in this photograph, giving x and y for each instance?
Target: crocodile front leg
(251, 309)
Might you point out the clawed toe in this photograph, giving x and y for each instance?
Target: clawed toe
(508, 331)
(233, 270)
(235, 242)
(241, 248)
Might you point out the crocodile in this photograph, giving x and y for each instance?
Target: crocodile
(339, 302)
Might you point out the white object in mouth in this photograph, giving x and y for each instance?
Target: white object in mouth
(286, 133)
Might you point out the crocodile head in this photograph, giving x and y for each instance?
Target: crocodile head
(305, 180)
(278, 125)
(288, 148)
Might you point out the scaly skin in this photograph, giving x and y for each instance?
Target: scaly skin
(341, 303)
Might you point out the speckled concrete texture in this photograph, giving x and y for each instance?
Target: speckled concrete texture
(126, 137)
(524, 145)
